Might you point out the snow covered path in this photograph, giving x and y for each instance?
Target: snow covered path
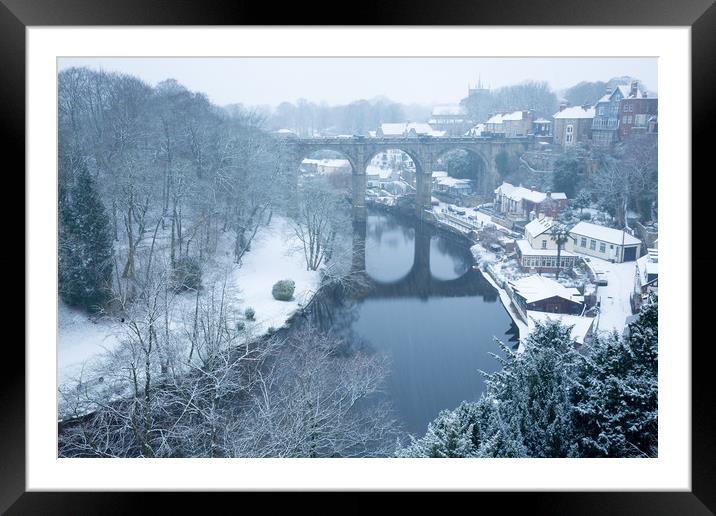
(615, 296)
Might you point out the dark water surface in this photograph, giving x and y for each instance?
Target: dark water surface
(429, 311)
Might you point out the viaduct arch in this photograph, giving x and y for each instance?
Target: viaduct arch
(423, 150)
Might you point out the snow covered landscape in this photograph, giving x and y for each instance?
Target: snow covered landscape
(368, 278)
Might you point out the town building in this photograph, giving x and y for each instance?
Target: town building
(540, 294)
(493, 125)
(646, 278)
(636, 112)
(519, 203)
(510, 125)
(406, 130)
(537, 233)
(325, 166)
(542, 127)
(452, 118)
(603, 242)
(572, 125)
(621, 112)
(543, 260)
(453, 186)
(517, 124)
(476, 131)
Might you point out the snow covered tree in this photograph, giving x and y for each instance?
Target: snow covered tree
(616, 401)
(455, 433)
(533, 393)
(85, 239)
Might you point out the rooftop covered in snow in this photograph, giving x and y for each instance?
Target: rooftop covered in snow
(575, 112)
(536, 288)
(406, 129)
(603, 233)
(539, 226)
(527, 250)
(517, 193)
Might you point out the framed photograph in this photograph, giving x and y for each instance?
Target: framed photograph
(420, 253)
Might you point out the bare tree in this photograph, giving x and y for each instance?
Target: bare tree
(317, 222)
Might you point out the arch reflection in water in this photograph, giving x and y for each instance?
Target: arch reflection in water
(431, 313)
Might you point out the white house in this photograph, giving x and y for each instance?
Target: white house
(543, 260)
(537, 233)
(518, 202)
(603, 242)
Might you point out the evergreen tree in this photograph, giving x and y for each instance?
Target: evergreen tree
(533, 390)
(526, 411)
(85, 239)
(455, 433)
(616, 403)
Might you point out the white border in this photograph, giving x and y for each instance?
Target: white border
(670, 471)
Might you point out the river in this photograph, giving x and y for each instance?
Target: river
(429, 311)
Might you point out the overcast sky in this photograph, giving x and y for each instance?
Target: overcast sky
(256, 81)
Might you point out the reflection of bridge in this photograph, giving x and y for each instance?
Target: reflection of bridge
(419, 281)
(423, 150)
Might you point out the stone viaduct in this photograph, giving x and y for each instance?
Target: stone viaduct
(423, 150)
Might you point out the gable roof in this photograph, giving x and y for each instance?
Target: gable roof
(476, 131)
(575, 112)
(517, 193)
(536, 288)
(539, 226)
(603, 233)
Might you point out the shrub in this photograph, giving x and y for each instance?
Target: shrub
(187, 274)
(250, 313)
(283, 290)
(240, 326)
(585, 216)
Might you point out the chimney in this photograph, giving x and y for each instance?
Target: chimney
(586, 107)
(634, 85)
(562, 106)
(549, 194)
(609, 91)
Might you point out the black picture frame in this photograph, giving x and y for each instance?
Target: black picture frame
(700, 15)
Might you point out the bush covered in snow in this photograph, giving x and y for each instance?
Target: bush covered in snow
(283, 290)
(250, 313)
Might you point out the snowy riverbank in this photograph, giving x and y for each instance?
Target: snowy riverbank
(275, 254)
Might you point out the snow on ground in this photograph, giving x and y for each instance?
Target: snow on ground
(80, 340)
(615, 296)
(275, 255)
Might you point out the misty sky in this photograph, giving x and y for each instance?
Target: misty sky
(258, 81)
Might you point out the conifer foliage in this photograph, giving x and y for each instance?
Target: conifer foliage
(552, 400)
(85, 238)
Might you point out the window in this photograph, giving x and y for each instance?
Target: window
(570, 134)
(593, 244)
(583, 242)
(544, 244)
(602, 247)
